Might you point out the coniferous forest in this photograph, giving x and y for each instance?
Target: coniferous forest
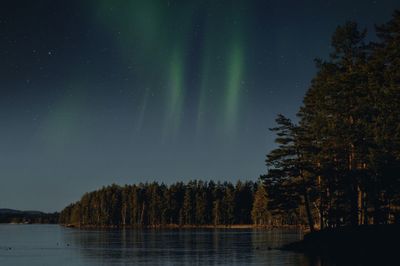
(340, 161)
(336, 164)
(153, 204)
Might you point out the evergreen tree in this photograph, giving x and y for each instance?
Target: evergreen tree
(228, 204)
(290, 176)
(188, 206)
(259, 212)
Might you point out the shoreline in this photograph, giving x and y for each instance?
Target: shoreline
(175, 226)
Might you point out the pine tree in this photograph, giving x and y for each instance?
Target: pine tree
(290, 176)
(259, 212)
(188, 206)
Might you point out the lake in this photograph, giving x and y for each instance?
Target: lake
(57, 245)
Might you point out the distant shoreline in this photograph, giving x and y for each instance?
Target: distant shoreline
(11, 216)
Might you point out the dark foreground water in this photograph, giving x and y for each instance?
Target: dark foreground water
(55, 245)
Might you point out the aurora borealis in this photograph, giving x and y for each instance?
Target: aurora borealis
(95, 92)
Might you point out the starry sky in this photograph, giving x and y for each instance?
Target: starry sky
(97, 92)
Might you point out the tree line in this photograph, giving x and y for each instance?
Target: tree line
(27, 217)
(339, 163)
(151, 204)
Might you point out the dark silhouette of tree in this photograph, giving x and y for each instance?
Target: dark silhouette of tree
(243, 202)
(342, 160)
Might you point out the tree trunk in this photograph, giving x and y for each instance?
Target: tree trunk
(142, 214)
(310, 217)
(321, 207)
(308, 210)
(354, 197)
(360, 203)
(354, 207)
(123, 214)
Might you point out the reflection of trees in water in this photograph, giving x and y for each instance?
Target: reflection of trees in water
(274, 238)
(205, 246)
(105, 245)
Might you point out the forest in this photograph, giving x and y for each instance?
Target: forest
(336, 164)
(153, 205)
(340, 161)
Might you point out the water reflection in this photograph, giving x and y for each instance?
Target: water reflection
(178, 247)
(55, 245)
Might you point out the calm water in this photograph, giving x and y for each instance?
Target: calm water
(56, 245)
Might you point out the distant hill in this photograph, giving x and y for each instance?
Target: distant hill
(9, 211)
(18, 216)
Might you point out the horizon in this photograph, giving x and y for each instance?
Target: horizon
(96, 93)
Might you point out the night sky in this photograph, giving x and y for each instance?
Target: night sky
(100, 92)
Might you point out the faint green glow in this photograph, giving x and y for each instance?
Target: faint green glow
(132, 20)
(234, 80)
(176, 94)
(202, 102)
(154, 37)
(140, 32)
(142, 110)
(63, 120)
